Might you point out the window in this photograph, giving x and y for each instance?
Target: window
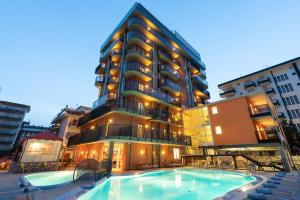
(296, 99)
(298, 127)
(283, 89)
(294, 114)
(292, 100)
(288, 101)
(218, 130)
(287, 88)
(290, 114)
(176, 153)
(214, 110)
(298, 113)
(284, 101)
(291, 87)
(286, 77)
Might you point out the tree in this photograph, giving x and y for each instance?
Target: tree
(292, 136)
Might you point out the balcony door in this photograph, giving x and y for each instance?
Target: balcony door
(140, 130)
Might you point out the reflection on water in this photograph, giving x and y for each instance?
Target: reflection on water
(171, 185)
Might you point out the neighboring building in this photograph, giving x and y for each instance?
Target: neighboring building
(28, 130)
(66, 121)
(245, 126)
(281, 83)
(11, 118)
(147, 75)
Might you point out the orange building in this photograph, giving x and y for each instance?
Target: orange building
(246, 125)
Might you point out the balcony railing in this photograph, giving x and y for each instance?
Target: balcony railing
(140, 51)
(260, 111)
(139, 67)
(249, 84)
(201, 70)
(99, 80)
(115, 52)
(135, 85)
(128, 132)
(170, 84)
(227, 92)
(170, 70)
(197, 79)
(163, 115)
(100, 68)
(276, 102)
(270, 91)
(141, 36)
(267, 136)
(167, 55)
(262, 80)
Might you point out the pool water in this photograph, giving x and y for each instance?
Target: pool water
(49, 179)
(187, 184)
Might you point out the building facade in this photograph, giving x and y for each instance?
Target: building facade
(280, 82)
(11, 118)
(28, 130)
(147, 75)
(246, 127)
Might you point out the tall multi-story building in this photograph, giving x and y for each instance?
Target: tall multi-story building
(11, 118)
(146, 76)
(239, 129)
(280, 82)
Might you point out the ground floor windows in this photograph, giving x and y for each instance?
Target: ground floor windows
(176, 153)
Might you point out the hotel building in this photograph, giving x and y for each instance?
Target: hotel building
(280, 82)
(11, 118)
(245, 128)
(147, 75)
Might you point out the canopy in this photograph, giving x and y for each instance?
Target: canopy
(44, 136)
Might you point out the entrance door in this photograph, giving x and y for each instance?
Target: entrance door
(117, 160)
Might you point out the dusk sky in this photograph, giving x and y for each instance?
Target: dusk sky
(49, 49)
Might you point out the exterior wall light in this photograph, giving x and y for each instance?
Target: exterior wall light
(110, 121)
(163, 152)
(142, 152)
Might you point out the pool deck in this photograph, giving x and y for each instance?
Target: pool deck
(10, 188)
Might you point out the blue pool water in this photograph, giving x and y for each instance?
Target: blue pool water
(49, 179)
(187, 184)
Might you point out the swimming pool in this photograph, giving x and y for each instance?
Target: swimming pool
(49, 179)
(187, 184)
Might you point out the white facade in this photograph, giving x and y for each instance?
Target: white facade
(281, 82)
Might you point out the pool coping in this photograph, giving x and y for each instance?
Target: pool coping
(26, 184)
(236, 194)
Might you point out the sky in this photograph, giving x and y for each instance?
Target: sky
(49, 49)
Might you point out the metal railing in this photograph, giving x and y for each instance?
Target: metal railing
(164, 53)
(248, 84)
(170, 84)
(267, 135)
(169, 69)
(201, 81)
(263, 80)
(260, 110)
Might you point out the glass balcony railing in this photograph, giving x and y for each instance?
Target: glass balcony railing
(141, 36)
(136, 86)
(135, 66)
(169, 69)
(140, 51)
(116, 52)
(128, 132)
(268, 135)
(99, 80)
(262, 80)
(167, 55)
(270, 91)
(170, 84)
(198, 80)
(163, 40)
(249, 84)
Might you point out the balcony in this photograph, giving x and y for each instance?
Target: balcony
(169, 71)
(136, 37)
(260, 111)
(137, 53)
(102, 100)
(128, 132)
(196, 69)
(136, 23)
(114, 68)
(148, 93)
(170, 86)
(264, 81)
(276, 102)
(164, 116)
(100, 69)
(228, 93)
(138, 70)
(204, 94)
(269, 135)
(199, 81)
(116, 55)
(165, 57)
(249, 85)
(270, 91)
(281, 115)
(112, 83)
(99, 81)
(116, 44)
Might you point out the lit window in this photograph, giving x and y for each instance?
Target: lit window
(176, 153)
(218, 130)
(214, 110)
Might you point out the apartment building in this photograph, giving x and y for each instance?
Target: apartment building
(280, 82)
(11, 118)
(66, 121)
(245, 128)
(147, 75)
